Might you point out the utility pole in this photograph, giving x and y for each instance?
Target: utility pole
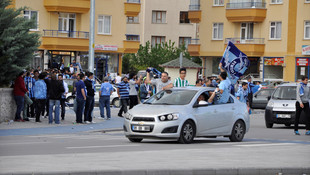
(91, 56)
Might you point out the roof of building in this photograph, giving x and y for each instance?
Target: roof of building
(185, 63)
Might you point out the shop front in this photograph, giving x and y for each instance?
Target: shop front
(302, 67)
(273, 68)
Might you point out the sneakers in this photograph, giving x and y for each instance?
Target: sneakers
(308, 133)
(87, 122)
(93, 122)
(102, 118)
(297, 133)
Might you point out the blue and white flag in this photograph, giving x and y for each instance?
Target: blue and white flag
(234, 62)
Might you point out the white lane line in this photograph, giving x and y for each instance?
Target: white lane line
(23, 143)
(271, 144)
(107, 146)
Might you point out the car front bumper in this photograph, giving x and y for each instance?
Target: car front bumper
(273, 117)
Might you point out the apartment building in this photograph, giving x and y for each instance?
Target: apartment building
(160, 21)
(64, 27)
(275, 34)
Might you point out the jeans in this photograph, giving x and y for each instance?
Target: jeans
(80, 104)
(89, 107)
(40, 107)
(20, 105)
(133, 101)
(124, 104)
(53, 103)
(298, 112)
(104, 101)
(63, 108)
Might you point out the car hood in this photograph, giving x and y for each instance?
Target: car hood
(284, 105)
(156, 110)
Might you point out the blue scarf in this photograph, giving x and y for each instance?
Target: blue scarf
(301, 91)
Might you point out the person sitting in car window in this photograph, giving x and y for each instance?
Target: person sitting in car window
(201, 100)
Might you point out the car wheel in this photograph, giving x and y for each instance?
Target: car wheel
(115, 102)
(135, 139)
(287, 124)
(188, 132)
(237, 132)
(70, 99)
(269, 125)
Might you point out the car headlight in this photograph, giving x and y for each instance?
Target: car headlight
(128, 116)
(169, 117)
(270, 104)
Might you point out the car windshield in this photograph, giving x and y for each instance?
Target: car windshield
(172, 97)
(285, 93)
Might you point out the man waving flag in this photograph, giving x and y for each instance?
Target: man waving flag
(234, 62)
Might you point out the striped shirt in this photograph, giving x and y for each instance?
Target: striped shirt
(180, 83)
(30, 82)
(123, 90)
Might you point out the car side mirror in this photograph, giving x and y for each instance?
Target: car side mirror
(255, 95)
(269, 97)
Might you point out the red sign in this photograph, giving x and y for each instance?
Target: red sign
(302, 62)
(274, 61)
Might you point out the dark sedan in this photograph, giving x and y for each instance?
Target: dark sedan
(260, 98)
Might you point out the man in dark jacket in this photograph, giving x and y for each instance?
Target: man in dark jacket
(90, 101)
(19, 93)
(56, 89)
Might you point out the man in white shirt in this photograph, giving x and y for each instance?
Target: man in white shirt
(160, 84)
(63, 97)
(118, 79)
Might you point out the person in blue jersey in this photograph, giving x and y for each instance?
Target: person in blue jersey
(80, 98)
(302, 104)
(242, 93)
(40, 92)
(224, 88)
(29, 109)
(104, 101)
(123, 94)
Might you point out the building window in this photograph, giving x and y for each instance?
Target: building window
(307, 30)
(66, 22)
(159, 17)
(132, 37)
(104, 24)
(184, 17)
(132, 20)
(194, 5)
(218, 2)
(217, 31)
(275, 30)
(247, 30)
(158, 40)
(32, 15)
(185, 41)
(276, 2)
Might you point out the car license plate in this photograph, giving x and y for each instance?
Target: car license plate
(283, 116)
(141, 128)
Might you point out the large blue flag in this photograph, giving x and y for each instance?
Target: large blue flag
(234, 62)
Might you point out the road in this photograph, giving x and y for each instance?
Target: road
(263, 151)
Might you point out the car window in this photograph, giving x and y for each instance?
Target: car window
(264, 93)
(285, 93)
(204, 96)
(172, 97)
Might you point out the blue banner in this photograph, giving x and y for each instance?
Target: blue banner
(234, 62)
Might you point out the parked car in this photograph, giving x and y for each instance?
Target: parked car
(176, 114)
(281, 107)
(114, 100)
(260, 98)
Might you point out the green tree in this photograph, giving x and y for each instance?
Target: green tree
(148, 56)
(17, 44)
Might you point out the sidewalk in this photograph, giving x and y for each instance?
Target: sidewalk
(66, 126)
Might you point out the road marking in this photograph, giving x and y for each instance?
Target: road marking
(22, 143)
(107, 146)
(270, 144)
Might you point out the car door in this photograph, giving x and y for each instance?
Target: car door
(260, 99)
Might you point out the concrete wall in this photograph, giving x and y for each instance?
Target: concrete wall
(7, 104)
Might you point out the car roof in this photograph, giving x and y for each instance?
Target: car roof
(193, 88)
(288, 84)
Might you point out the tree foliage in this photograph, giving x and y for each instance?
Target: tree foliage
(17, 44)
(148, 56)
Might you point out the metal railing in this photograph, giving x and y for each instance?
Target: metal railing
(66, 34)
(194, 41)
(194, 7)
(134, 1)
(245, 41)
(246, 5)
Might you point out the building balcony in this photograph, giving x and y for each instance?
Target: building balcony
(131, 44)
(132, 7)
(251, 47)
(194, 47)
(246, 12)
(194, 13)
(65, 40)
(69, 6)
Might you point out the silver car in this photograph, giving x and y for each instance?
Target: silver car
(281, 107)
(177, 114)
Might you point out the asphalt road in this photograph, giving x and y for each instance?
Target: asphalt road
(263, 151)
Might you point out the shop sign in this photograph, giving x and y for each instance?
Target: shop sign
(302, 62)
(274, 61)
(305, 49)
(106, 47)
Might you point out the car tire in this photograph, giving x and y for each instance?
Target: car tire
(268, 125)
(287, 124)
(135, 139)
(188, 132)
(70, 99)
(116, 102)
(237, 132)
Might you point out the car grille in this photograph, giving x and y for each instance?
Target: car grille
(143, 119)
